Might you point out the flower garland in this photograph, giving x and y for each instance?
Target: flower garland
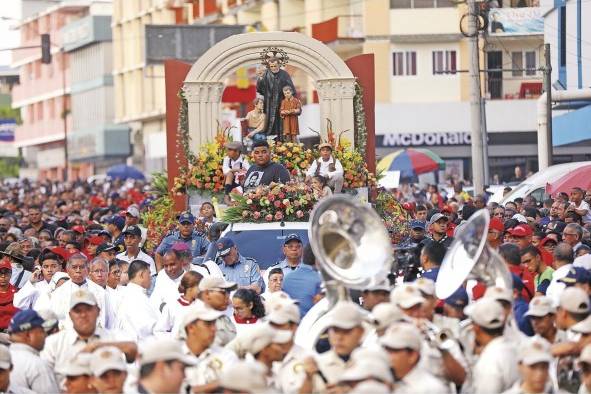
(359, 119)
(183, 130)
(293, 156)
(276, 202)
(159, 220)
(395, 217)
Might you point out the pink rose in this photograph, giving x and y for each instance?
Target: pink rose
(271, 197)
(281, 195)
(286, 202)
(277, 204)
(299, 214)
(256, 214)
(278, 215)
(269, 217)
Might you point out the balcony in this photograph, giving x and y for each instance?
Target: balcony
(41, 131)
(499, 89)
(340, 29)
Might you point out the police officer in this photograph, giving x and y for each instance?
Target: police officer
(293, 250)
(186, 234)
(244, 271)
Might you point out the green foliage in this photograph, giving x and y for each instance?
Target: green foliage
(9, 167)
(160, 183)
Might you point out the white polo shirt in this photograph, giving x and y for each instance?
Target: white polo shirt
(140, 256)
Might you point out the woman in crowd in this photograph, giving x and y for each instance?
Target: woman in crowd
(275, 281)
(248, 307)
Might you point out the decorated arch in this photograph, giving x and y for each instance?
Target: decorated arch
(204, 83)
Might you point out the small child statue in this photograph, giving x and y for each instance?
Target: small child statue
(256, 121)
(290, 109)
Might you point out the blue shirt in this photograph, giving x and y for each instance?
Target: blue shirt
(245, 272)
(302, 285)
(285, 267)
(520, 308)
(196, 242)
(432, 274)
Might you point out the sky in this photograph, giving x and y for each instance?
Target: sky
(8, 38)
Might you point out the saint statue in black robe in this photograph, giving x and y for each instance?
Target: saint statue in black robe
(270, 84)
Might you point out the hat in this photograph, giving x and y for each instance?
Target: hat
(520, 218)
(380, 286)
(585, 356)
(282, 313)
(486, 312)
(25, 320)
(292, 237)
(199, 311)
(406, 296)
(163, 349)
(5, 264)
(346, 315)
(499, 294)
(105, 247)
(436, 217)
(224, 245)
(325, 145)
(244, 377)
(535, 350)
(186, 217)
(78, 365)
(215, 283)
(458, 299)
(259, 336)
(117, 221)
(372, 364)
(82, 296)
(574, 300)
(180, 247)
(582, 327)
(50, 320)
(96, 240)
(5, 359)
(133, 210)
(576, 275)
(15, 251)
(402, 336)
(386, 313)
(233, 145)
(79, 229)
(417, 224)
(133, 230)
(426, 286)
(56, 278)
(107, 358)
(521, 230)
(540, 306)
(496, 224)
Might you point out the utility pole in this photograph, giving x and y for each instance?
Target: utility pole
(475, 102)
(548, 89)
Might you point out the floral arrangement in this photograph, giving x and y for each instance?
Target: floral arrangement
(395, 217)
(293, 156)
(354, 165)
(159, 220)
(290, 202)
(206, 171)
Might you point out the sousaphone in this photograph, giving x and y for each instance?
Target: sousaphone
(353, 251)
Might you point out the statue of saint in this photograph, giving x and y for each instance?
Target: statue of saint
(270, 84)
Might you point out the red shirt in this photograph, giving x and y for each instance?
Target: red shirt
(7, 309)
(250, 320)
(527, 278)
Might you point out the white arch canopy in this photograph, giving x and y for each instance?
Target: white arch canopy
(204, 84)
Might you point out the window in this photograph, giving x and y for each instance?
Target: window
(562, 27)
(444, 62)
(530, 63)
(404, 63)
(516, 62)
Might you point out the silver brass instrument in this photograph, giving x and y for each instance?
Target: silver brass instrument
(436, 336)
(352, 250)
(470, 257)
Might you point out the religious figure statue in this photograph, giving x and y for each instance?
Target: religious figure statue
(256, 120)
(291, 108)
(270, 84)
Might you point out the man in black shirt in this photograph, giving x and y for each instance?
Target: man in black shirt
(264, 171)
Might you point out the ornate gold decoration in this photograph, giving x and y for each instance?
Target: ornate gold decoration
(274, 52)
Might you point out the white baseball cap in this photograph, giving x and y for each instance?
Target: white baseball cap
(283, 313)
(163, 350)
(499, 293)
(535, 350)
(346, 315)
(199, 311)
(82, 296)
(426, 286)
(402, 336)
(215, 283)
(540, 306)
(262, 335)
(244, 377)
(574, 300)
(133, 210)
(386, 313)
(107, 358)
(487, 313)
(78, 365)
(406, 296)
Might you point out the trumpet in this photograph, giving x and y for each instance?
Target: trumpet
(434, 335)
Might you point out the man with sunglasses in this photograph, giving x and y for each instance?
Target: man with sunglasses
(215, 293)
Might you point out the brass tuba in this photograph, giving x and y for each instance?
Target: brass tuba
(470, 257)
(353, 251)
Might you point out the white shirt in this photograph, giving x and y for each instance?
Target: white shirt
(419, 381)
(27, 296)
(229, 164)
(208, 268)
(289, 374)
(136, 315)
(496, 369)
(324, 168)
(30, 371)
(60, 303)
(170, 318)
(166, 290)
(331, 366)
(140, 256)
(583, 261)
(209, 365)
(587, 216)
(17, 269)
(555, 288)
(64, 345)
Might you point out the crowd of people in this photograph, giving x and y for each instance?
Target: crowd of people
(86, 308)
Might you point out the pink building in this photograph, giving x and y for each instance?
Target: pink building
(44, 94)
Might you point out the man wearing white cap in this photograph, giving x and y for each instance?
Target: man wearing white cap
(5, 367)
(504, 297)
(215, 293)
(345, 334)
(77, 374)
(367, 365)
(109, 370)
(409, 299)
(84, 335)
(403, 343)
(162, 366)
(265, 344)
(573, 308)
(496, 369)
(534, 367)
(542, 316)
(132, 218)
(288, 373)
(376, 294)
(244, 377)
(199, 328)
